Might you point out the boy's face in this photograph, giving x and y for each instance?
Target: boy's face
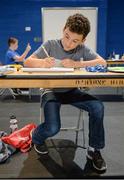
(14, 46)
(71, 40)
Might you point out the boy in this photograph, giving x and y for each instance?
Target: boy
(71, 52)
(12, 57)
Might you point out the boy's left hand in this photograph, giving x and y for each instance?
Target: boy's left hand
(69, 63)
(28, 48)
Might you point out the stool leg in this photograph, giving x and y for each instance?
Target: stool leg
(78, 126)
(41, 111)
(83, 129)
(41, 115)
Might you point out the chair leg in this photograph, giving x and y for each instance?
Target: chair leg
(2, 91)
(30, 93)
(11, 91)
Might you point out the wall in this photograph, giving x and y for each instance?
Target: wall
(16, 15)
(115, 29)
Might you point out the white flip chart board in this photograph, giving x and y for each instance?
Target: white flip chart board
(53, 21)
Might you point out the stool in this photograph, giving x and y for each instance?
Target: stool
(76, 128)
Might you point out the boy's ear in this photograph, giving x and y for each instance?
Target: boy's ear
(83, 40)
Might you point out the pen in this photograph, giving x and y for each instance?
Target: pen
(45, 51)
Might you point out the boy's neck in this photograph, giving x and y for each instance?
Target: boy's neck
(70, 51)
(11, 48)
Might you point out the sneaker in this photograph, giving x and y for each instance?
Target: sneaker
(41, 148)
(97, 160)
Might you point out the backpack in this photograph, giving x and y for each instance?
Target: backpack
(5, 150)
(20, 139)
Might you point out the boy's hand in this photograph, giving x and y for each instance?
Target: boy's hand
(28, 48)
(48, 62)
(69, 63)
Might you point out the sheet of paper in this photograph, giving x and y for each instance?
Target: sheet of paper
(54, 69)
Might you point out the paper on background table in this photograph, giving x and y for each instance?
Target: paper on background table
(118, 69)
(5, 69)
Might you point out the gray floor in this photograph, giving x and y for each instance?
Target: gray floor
(66, 162)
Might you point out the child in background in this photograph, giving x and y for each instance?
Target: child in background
(12, 57)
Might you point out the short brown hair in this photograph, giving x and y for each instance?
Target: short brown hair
(79, 24)
(12, 40)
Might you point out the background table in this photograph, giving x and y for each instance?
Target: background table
(114, 62)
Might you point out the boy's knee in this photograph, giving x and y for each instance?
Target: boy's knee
(100, 106)
(97, 107)
(53, 130)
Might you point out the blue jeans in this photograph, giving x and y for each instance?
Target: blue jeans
(52, 124)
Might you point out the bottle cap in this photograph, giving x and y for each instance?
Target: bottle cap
(12, 117)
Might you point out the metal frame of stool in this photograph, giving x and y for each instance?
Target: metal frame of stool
(77, 129)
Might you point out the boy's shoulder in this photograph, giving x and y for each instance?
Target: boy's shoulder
(9, 51)
(53, 42)
(84, 46)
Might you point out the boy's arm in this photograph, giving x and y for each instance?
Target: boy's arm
(34, 61)
(39, 59)
(94, 62)
(80, 64)
(22, 57)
